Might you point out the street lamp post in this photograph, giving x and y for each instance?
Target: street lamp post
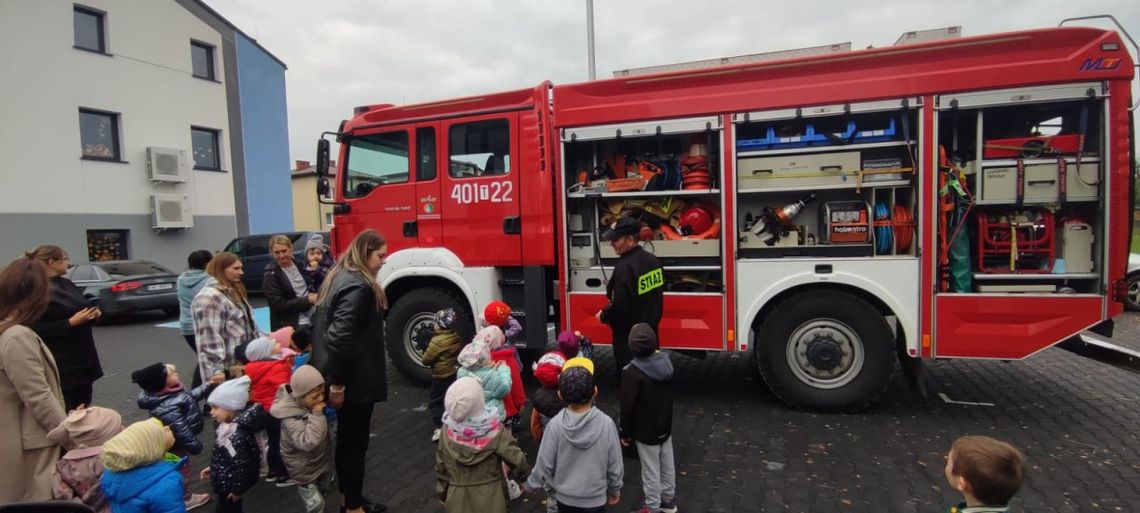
(590, 35)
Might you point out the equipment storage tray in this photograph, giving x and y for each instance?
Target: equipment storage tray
(836, 168)
(997, 180)
(674, 248)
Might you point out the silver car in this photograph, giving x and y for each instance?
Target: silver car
(1133, 280)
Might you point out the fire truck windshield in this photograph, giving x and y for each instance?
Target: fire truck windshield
(374, 160)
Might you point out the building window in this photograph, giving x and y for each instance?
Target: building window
(89, 30)
(480, 148)
(99, 135)
(202, 59)
(205, 144)
(103, 245)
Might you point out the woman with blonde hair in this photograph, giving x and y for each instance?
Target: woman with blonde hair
(286, 286)
(31, 401)
(348, 348)
(65, 328)
(223, 319)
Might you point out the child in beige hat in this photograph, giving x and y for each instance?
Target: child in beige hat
(76, 476)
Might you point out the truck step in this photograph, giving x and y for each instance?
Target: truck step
(1099, 348)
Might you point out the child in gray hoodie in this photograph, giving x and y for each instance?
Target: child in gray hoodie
(580, 456)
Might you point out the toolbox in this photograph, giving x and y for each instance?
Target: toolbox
(999, 184)
(834, 168)
(1016, 241)
(845, 222)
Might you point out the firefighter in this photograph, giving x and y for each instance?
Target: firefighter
(635, 289)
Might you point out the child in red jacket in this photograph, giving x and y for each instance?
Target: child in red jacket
(515, 401)
(269, 367)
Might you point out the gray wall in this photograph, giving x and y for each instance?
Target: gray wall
(22, 232)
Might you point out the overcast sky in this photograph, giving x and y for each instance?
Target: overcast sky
(343, 53)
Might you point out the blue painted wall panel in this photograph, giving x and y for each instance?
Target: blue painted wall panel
(265, 136)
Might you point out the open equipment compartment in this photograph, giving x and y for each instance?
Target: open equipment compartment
(664, 173)
(1031, 163)
(827, 181)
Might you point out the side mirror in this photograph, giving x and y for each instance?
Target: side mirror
(323, 158)
(323, 187)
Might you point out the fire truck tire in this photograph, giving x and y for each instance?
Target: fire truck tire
(826, 351)
(410, 325)
(1133, 303)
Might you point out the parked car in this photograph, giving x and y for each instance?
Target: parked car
(120, 286)
(254, 253)
(1133, 280)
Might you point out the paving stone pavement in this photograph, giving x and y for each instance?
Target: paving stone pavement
(739, 450)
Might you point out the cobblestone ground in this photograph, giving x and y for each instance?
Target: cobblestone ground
(738, 449)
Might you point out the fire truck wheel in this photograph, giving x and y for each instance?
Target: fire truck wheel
(1133, 303)
(411, 324)
(826, 351)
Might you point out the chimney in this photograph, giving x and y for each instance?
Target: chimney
(300, 164)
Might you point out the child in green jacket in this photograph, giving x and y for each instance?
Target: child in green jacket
(442, 355)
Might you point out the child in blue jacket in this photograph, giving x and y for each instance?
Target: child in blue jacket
(139, 476)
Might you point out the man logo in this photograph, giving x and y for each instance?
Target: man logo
(651, 280)
(1100, 64)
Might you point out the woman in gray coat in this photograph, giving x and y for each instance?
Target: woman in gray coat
(31, 401)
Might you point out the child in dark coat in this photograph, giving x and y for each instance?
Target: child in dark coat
(318, 262)
(442, 355)
(473, 451)
(647, 418)
(165, 398)
(236, 459)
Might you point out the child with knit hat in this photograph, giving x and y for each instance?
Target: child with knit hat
(473, 451)
(647, 418)
(505, 354)
(475, 361)
(165, 398)
(139, 475)
(236, 457)
(498, 313)
(580, 456)
(270, 366)
(76, 476)
(318, 262)
(442, 355)
(299, 407)
(546, 401)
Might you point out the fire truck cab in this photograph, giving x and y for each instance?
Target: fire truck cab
(963, 198)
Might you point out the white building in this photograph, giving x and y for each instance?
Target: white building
(111, 107)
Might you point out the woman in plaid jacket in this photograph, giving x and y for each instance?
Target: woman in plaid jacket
(223, 319)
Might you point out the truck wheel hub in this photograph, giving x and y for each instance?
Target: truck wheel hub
(825, 353)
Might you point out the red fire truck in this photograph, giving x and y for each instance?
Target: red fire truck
(827, 215)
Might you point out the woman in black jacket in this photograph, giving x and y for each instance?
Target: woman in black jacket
(66, 330)
(286, 286)
(348, 348)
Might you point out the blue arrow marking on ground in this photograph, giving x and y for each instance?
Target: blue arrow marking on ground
(260, 316)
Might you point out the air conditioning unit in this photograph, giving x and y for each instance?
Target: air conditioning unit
(170, 212)
(167, 165)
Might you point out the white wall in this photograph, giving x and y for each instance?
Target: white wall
(147, 80)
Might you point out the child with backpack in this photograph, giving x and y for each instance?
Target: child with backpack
(165, 398)
(473, 452)
(236, 458)
(506, 354)
(76, 476)
(580, 456)
(270, 367)
(647, 418)
(139, 475)
(442, 355)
